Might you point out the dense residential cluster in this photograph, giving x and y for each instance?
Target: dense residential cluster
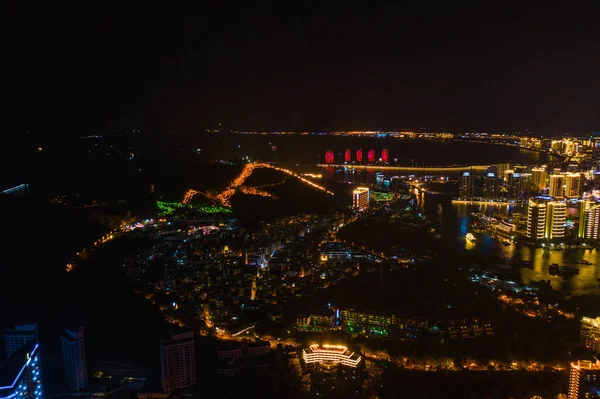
(218, 272)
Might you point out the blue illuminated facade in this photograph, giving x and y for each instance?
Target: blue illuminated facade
(20, 375)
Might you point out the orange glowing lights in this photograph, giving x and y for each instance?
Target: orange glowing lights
(224, 196)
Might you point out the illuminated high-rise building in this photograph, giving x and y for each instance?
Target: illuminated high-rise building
(502, 167)
(545, 219)
(466, 186)
(573, 185)
(511, 184)
(178, 362)
(21, 374)
(525, 181)
(557, 186)
(589, 220)
(330, 356)
(360, 197)
(590, 333)
(490, 186)
(570, 147)
(556, 218)
(536, 219)
(538, 178)
(73, 353)
(16, 338)
(584, 378)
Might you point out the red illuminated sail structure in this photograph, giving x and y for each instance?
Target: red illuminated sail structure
(371, 156)
(329, 156)
(347, 155)
(384, 155)
(359, 155)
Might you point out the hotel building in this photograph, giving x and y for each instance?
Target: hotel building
(573, 185)
(178, 362)
(538, 178)
(536, 219)
(21, 374)
(366, 318)
(360, 197)
(73, 353)
(229, 353)
(490, 186)
(556, 218)
(259, 348)
(589, 220)
(583, 379)
(466, 186)
(330, 355)
(590, 333)
(502, 168)
(16, 338)
(545, 219)
(511, 184)
(557, 186)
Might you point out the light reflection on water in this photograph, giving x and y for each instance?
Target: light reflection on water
(454, 226)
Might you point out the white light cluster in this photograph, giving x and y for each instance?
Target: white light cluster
(330, 353)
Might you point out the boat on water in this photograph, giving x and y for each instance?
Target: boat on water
(562, 271)
(585, 262)
(470, 237)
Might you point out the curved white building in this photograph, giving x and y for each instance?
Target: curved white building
(331, 354)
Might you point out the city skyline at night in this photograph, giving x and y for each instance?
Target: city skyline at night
(301, 200)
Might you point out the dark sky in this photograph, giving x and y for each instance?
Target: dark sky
(502, 65)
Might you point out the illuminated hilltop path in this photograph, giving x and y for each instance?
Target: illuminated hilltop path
(224, 197)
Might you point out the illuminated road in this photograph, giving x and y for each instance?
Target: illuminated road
(554, 154)
(125, 227)
(486, 202)
(431, 169)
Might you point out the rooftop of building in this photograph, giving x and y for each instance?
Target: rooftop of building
(180, 338)
(72, 334)
(590, 321)
(339, 349)
(329, 352)
(586, 364)
(23, 328)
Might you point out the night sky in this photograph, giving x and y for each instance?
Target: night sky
(301, 66)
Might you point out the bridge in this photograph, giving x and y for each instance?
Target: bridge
(413, 169)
